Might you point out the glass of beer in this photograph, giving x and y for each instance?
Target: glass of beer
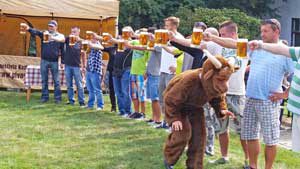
(196, 37)
(151, 44)
(72, 40)
(157, 37)
(88, 35)
(23, 28)
(242, 48)
(143, 38)
(105, 38)
(126, 34)
(164, 37)
(46, 36)
(84, 46)
(121, 47)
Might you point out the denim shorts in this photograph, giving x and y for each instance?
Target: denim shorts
(152, 87)
(137, 87)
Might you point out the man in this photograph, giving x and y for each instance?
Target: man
(293, 93)
(168, 64)
(49, 59)
(263, 81)
(72, 57)
(235, 96)
(152, 75)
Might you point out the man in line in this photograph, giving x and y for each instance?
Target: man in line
(72, 57)
(50, 52)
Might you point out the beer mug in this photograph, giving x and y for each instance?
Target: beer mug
(151, 44)
(157, 37)
(84, 45)
(105, 38)
(164, 37)
(121, 47)
(242, 48)
(143, 38)
(196, 37)
(88, 35)
(126, 34)
(46, 36)
(23, 28)
(72, 40)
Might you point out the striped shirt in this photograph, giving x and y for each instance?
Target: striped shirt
(294, 95)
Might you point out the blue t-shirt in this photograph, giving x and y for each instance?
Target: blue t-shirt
(266, 74)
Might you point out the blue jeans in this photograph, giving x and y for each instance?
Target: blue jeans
(53, 66)
(93, 84)
(121, 86)
(74, 73)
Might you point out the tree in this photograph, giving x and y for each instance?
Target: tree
(248, 26)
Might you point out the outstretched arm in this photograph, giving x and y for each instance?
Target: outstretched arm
(279, 48)
(225, 42)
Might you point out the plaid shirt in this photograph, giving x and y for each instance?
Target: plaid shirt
(94, 63)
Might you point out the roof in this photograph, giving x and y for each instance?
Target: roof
(87, 9)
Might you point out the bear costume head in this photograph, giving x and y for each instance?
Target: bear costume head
(215, 74)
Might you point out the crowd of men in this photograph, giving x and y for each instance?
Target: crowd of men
(138, 72)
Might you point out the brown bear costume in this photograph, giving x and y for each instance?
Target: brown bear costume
(184, 98)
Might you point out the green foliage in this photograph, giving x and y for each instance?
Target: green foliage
(248, 26)
(257, 8)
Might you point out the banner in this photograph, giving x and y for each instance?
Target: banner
(13, 68)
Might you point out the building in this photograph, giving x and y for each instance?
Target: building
(290, 20)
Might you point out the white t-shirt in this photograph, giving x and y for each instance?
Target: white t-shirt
(167, 59)
(236, 81)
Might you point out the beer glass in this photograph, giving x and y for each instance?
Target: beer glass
(88, 35)
(196, 37)
(157, 37)
(46, 36)
(126, 34)
(143, 38)
(23, 28)
(72, 40)
(121, 47)
(242, 48)
(105, 38)
(84, 46)
(151, 44)
(164, 37)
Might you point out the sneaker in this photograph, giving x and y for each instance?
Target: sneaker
(149, 121)
(133, 115)
(221, 160)
(44, 100)
(125, 115)
(81, 105)
(69, 103)
(87, 107)
(99, 109)
(209, 153)
(113, 110)
(168, 166)
(163, 125)
(138, 116)
(57, 101)
(246, 165)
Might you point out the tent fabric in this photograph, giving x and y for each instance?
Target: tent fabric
(87, 9)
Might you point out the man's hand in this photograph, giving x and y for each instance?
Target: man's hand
(254, 44)
(171, 35)
(177, 126)
(207, 36)
(228, 113)
(278, 96)
(172, 69)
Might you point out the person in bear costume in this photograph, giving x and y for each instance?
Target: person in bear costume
(184, 98)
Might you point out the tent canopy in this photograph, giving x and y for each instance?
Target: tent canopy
(85, 9)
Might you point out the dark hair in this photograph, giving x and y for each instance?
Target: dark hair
(230, 25)
(275, 24)
(151, 29)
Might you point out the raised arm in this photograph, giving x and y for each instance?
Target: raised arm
(225, 42)
(134, 47)
(279, 48)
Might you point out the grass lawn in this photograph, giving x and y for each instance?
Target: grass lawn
(38, 135)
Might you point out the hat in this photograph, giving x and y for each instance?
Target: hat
(52, 23)
(200, 24)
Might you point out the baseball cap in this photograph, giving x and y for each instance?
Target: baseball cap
(52, 23)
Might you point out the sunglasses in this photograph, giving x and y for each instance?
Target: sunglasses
(272, 22)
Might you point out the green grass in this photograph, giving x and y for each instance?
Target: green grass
(34, 135)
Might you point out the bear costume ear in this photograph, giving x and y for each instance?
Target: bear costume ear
(208, 74)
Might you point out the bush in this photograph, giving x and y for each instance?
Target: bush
(248, 26)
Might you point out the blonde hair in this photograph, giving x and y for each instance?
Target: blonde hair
(174, 20)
